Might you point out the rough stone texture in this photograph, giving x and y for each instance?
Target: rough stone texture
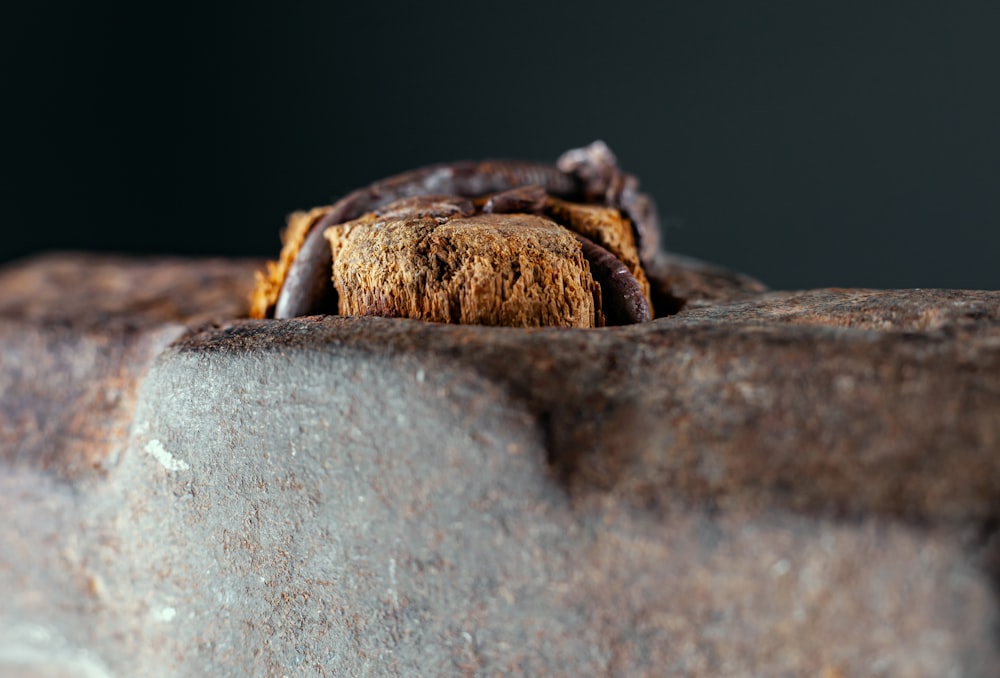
(766, 483)
(77, 332)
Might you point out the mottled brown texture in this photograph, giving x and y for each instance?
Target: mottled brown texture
(741, 407)
(515, 270)
(604, 226)
(105, 292)
(766, 483)
(505, 259)
(77, 333)
(298, 284)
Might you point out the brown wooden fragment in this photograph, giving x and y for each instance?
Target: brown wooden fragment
(607, 228)
(516, 270)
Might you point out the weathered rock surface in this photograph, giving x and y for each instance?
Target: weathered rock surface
(765, 483)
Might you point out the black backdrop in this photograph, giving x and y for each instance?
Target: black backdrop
(807, 143)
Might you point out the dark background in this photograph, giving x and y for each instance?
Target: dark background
(806, 143)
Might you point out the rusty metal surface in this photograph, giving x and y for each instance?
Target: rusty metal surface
(767, 483)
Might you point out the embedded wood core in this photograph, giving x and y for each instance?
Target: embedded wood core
(519, 270)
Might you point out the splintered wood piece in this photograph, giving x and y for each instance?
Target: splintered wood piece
(490, 269)
(299, 283)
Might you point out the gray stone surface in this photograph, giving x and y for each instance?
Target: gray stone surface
(764, 484)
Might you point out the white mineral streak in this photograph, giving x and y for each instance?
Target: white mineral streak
(165, 614)
(168, 461)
